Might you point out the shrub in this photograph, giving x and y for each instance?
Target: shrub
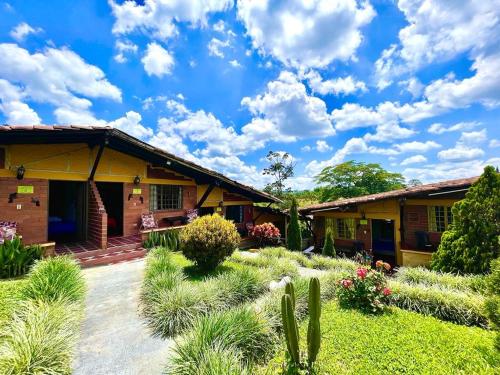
(366, 291)
(328, 247)
(294, 238)
(169, 239)
(40, 338)
(281, 252)
(265, 234)
(241, 332)
(276, 267)
(208, 240)
(420, 275)
(325, 263)
(56, 278)
(442, 303)
(472, 241)
(492, 304)
(16, 259)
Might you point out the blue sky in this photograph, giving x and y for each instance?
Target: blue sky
(413, 85)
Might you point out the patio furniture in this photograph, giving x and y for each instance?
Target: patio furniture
(171, 220)
(423, 241)
(148, 221)
(8, 230)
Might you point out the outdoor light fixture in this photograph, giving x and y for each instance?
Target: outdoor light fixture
(137, 180)
(169, 162)
(20, 172)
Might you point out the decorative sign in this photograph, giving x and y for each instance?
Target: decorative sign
(136, 191)
(363, 222)
(218, 209)
(26, 189)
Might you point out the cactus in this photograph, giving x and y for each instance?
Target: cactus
(290, 290)
(290, 328)
(313, 329)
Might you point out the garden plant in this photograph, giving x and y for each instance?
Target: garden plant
(265, 234)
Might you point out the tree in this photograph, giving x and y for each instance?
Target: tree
(294, 237)
(414, 182)
(352, 179)
(473, 239)
(328, 247)
(281, 168)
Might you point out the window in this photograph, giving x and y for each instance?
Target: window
(439, 218)
(234, 213)
(165, 197)
(344, 228)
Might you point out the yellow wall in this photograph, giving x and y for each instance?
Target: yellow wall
(216, 196)
(74, 162)
(415, 258)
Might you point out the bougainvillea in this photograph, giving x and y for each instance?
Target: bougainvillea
(366, 290)
(266, 234)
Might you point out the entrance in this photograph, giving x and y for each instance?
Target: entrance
(67, 211)
(383, 240)
(112, 197)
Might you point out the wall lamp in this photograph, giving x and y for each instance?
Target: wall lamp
(20, 172)
(137, 180)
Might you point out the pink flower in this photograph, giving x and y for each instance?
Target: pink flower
(379, 264)
(387, 266)
(362, 272)
(387, 292)
(346, 283)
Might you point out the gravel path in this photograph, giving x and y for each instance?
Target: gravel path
(114, 339)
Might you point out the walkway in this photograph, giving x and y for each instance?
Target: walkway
(114, 339)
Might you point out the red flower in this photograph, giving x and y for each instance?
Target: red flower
(362, 272)
(379, 264)
(346, 283)
(387, 292)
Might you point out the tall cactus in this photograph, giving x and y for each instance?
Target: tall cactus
(290, 328)
(290, 290)
(313, 329)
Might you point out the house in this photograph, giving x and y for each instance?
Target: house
(84, 184)
(401, 226)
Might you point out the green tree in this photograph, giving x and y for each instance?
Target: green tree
(294, 236)
(281, 168)
(328, 247)
(352, 179)
(473, 239)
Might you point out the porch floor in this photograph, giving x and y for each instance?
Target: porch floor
(80, 247)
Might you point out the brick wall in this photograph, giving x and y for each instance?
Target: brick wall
(134, 207)
(416, 219)
(366, 238)
(189, 200)
(32, 219)
(97, 218)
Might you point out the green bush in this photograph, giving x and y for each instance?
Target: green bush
(40, 337)
(281, 252)
(277, 267)
(10, 295)
(492, 305)
(241, 333)
(56, 278)
(325, 263)
(208, 240)
(218, 361)
(473, 240)
(442, 303)
(328, 247)
(169, 239)
(420, 275)
(16, 259)
(294, 237)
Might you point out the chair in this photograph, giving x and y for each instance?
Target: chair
(148, 221)
(8, 230)
(191, 214)
(423, 241)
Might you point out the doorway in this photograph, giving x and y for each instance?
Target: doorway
(67, 211)
(383, 240)
(112, 197)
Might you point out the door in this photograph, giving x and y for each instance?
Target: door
(112, 197)
(383, 240)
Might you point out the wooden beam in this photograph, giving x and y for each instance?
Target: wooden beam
(205, 195)
(98, 158)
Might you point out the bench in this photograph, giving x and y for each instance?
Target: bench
(171, 220)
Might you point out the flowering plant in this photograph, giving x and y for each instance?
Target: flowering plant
(266, 234)
(366, 290)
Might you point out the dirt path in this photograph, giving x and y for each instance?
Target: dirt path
(114, 339)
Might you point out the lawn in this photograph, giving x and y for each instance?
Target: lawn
(399, 342)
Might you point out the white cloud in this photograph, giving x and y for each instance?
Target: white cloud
(337, 86)
(21, 31)
(413, 86)
(438, 128)
(288, 106)
(123, 47)
(219, 26)
(414, 160)
(494, 143)
(157, 60)
(388, 132)
(460, 153)
(12, 106)
(158, 18)
(322, 146)
(306, 148)
(56, 76)
(215, 47)
(473, 137)
(235, 63)
(353, 115)
(417, 146)
(131, 124)
(306, 33)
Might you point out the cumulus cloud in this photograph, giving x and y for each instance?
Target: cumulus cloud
(216, 46)
(124, 47)
(56, 76)
(337, 86)
(414, 160)
(131, 124)
(322, 146)
(235, 63)
(13, 107)
(460, 152)
(158, 18)
(157, 61)
(304, 33)
(288, 106)
(494, 143)
(438, 128)
(21, 31)
(417, 146)
(473, 137)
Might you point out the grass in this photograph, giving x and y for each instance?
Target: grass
(399, 342)
(41, 318)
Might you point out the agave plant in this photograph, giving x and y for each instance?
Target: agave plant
(15, 258)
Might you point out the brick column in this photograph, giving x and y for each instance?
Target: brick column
(97, 218)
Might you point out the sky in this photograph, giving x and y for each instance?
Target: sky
(412, 85)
